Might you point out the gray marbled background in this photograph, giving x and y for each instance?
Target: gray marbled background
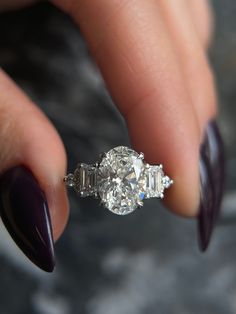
(147, 262)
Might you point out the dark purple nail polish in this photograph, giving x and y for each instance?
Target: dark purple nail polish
(216, 157)
(211, 181)
(207, 201)
(25, 213)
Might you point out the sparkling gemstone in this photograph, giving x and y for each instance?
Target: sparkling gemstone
(122, 180)
(167, 182)
(85, 179)
(154, 186)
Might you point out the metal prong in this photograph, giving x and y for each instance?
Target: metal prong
(141, 156)
(140, 204)
(96, 195)
(161, 195)
(81, 193)
(160, 166)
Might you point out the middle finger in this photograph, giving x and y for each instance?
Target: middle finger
(194, 63)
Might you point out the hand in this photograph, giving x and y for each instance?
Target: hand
(153, 57)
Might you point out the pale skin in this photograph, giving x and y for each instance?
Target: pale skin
(153, 57)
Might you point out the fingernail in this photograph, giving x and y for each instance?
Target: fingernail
(217, 162)
(211, 183)
(24, 211)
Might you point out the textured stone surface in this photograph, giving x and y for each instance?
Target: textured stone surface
(146, 262)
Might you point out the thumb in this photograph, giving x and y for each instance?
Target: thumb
(33, 201)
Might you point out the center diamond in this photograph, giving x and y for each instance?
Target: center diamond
(122, 181)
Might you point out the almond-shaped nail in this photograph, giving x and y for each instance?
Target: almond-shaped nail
(25, 214)
(211, 183)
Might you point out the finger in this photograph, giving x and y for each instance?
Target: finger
(132, 47)
(27, 138)
(194, 63)
(201, 13)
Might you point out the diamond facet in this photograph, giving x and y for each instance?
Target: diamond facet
(85, 177)
(154, 186)
(122, 180)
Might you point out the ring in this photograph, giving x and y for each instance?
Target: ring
(122, 179)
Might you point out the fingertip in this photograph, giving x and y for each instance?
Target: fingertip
(44, 153)
(172, 140)
(176, 200)
(28, 138)
(58, 207)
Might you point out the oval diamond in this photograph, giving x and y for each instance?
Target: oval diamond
(122, 183)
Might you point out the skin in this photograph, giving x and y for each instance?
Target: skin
(160, 79)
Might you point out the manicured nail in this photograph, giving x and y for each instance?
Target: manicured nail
(24, 211)
(216, 157)
(211, 183)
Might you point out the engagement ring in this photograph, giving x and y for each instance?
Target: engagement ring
(122, 179)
